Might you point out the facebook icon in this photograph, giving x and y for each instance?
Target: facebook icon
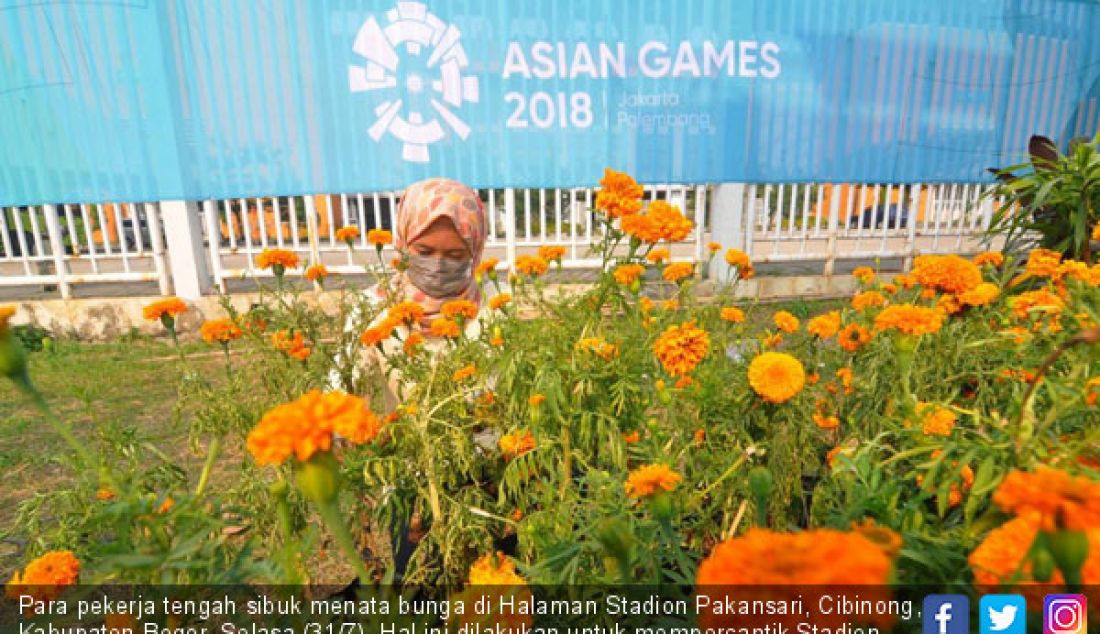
(946, 614)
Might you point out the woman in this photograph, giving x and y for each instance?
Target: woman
(441, 232)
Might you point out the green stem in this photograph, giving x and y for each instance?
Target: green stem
(211, 457)
(330, 514)
(566, 462)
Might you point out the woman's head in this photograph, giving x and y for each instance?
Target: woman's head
(441, 228)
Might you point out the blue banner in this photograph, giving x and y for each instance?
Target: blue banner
(167, 99)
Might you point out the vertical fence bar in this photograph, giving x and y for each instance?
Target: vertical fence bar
(156, 239)
(9, 252)
(214, 242)
(911, 236)
(700, 225)
(833, 232)
(53, 226)
(90, 237)
(21, 238)
(311, 230)
(510, 225)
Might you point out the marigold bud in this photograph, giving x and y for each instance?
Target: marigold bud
(319, 478)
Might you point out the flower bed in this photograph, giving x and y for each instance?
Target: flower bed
(941, 429)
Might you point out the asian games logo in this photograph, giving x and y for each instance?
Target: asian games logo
(416, 60)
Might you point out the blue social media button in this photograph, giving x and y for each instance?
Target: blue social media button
(1002, 614)
(946, 614)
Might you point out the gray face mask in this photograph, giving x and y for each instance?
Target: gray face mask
(439, 277)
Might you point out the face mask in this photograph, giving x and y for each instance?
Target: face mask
(439, 277)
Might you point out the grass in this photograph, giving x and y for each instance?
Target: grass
(125, 384)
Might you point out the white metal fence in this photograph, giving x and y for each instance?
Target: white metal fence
(215, 241)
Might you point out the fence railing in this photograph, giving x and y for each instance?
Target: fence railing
(187, 247)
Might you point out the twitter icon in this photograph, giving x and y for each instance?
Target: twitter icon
(1003, 614)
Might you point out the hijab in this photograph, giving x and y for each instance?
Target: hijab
(424, 203)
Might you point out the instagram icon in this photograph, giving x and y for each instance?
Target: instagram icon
(1064, 614)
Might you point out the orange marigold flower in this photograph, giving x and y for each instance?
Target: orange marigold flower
(773, 340)
(1061, 500)
(536, 399)
(500, 301)
(220, 331)
(496, 341)
(980, 295)
(172, 307)
(380, 332)
(166, 505)
(714, 247)
(632, 437)
(1002, 559)
(532, 265)
(677, 271)
(668, 222)
(732, 314)
(1039, 303)
(650, 479)
(495, 570)
(304, 427)
(551, 253)
(379, 237)
(1096, 232)
(316, 272)
(868, 299)
(845, 375)
(740, 260)
(824, 326)
(905, 281)
(406, 313)
(657, 256)
(949, 304)
(699, 437)
(459, 308)
(1043, 263)
(826, 422)
(104, 494)
(947, 273)
(44, 577)
(853, 337)
(889, 288)
(1092, 390)
(776, 376)
(909, 319)
(350, 233)
(670, 305)
(935, 420)
(270, 258)
(6, 313)
(443, 327)
(681, 347)
(864, 274)
(414, 339)
(620, 195)
(597, 346)
(785, 321)
(464, 373)
(989, 258)
(818, 557)
(516, 444)
(626, 274)
(488, 266)
(293, 345)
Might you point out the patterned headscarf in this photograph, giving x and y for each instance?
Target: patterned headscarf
(424, 203)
